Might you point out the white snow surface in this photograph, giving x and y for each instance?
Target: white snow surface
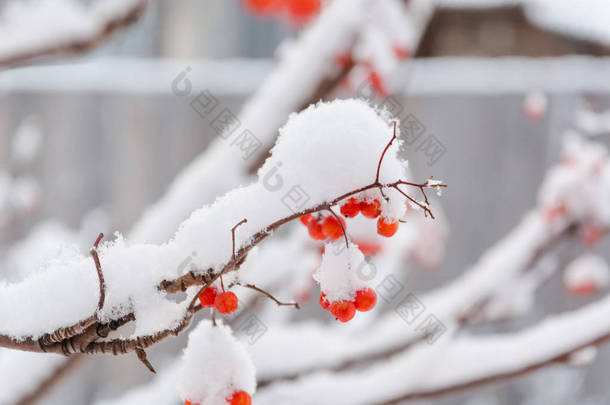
(339, 271)
(214, 366)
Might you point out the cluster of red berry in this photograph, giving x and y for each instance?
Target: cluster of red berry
(238, 398)
(322, 228)
(225, 302)
(345, 310)
(299, 11)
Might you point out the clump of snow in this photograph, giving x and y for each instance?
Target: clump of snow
(338, 145)
(339, 272)
(214, 366)
(587, 270)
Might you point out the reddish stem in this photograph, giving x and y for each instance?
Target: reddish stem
(383, 153)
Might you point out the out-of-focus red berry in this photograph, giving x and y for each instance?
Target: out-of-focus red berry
(386, 227)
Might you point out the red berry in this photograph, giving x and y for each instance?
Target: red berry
(386, 227)
(378, 84)
(240, 398)
(324, 302)
(370, 209)
(208, 296)
(591, 235)
(365, 299)
(315, 230)
(262, 7)
(305, 219)
(351, 208)
(226, 302)
(187, 402)
(302, 10)
(344, 60)
(369, 249)
(584, 288)
(555, 212)
(343, 310)
(401, 52)
(331, 228)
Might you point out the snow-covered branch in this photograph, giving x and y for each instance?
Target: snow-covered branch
(31, 31)
(158, 268)
(455, 364)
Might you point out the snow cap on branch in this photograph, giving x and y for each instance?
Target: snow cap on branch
(214, 366)
(339, 271)
(333, 148)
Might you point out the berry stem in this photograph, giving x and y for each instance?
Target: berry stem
(268, 295)
(243, 221)
(98, 268)
(341, 225)
(383, 154)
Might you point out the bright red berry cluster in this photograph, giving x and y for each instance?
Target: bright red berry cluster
(345, 310)
(299, 11)
(322, 228)
(238, 398)
(225, 302)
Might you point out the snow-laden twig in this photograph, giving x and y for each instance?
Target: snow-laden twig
(32, 31)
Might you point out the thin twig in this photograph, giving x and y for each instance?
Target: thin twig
(243, 221)
(383, 154)
(100, 275)
(144, 359)
(342, 227)
(268, 295)
(231, 265)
